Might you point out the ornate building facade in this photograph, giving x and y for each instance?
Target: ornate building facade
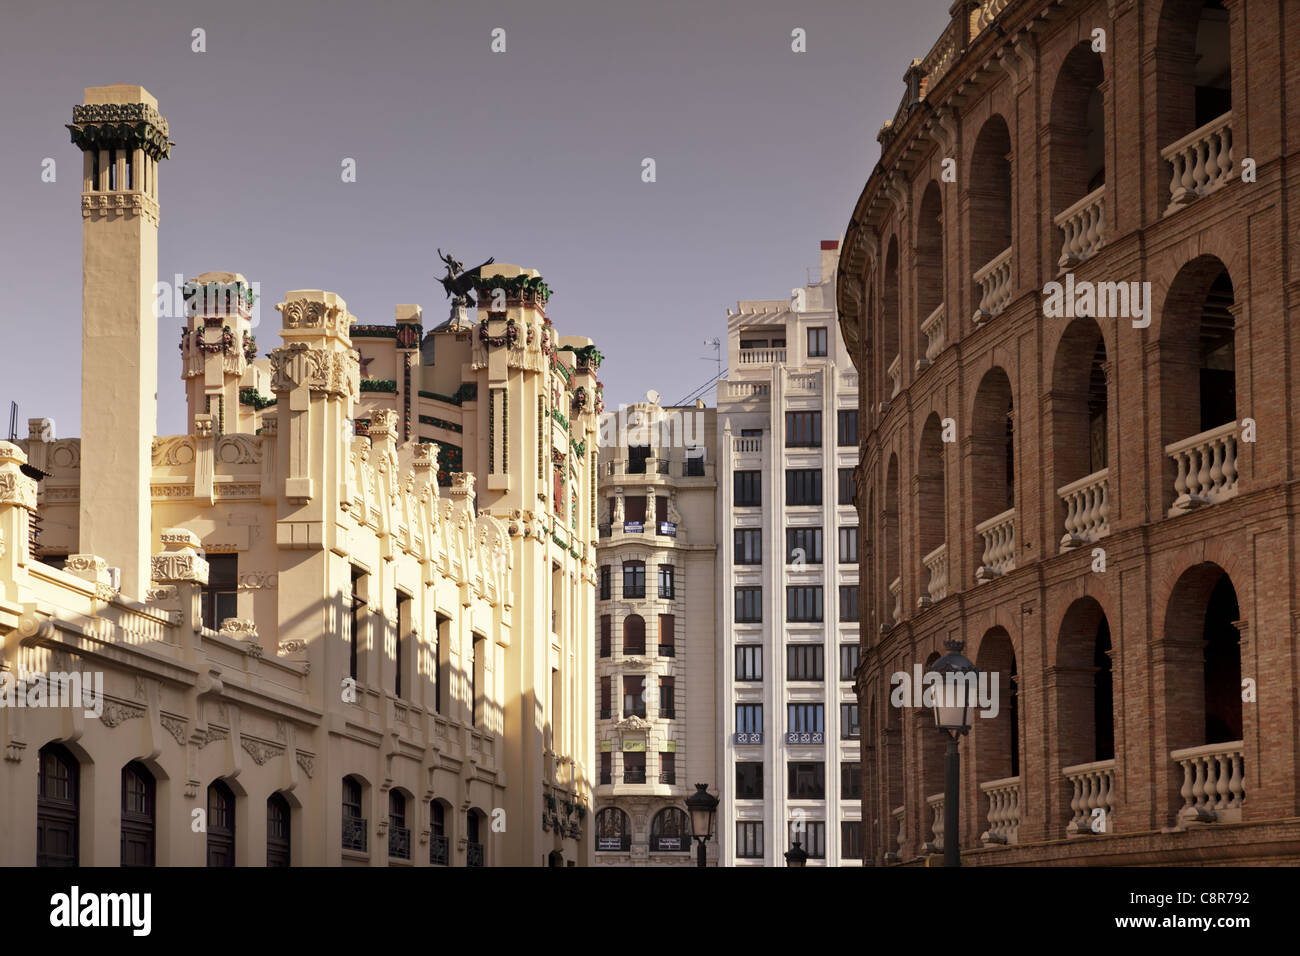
(317, 637)
(1067, 287)
(656, 640)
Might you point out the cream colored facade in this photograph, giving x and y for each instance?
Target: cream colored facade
(657, 510)
(465, 737)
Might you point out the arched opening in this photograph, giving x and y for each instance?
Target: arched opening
(439, 854)
(990, 212)
(996, 739)
(613, 831)
(1077, 136)
(399, 833)
(1198, 399)
(634, 634)
(58, 807)
(279, 831)
(894, 602)
(895, 823)
(354, 821)
(929, 273)
(932, 745)
(1085, 700)
(474, 837)
(139, 808)
(221, 824)
(930, 505)
(891, 317)
(1079, 422)
(993, 476)
(670, 831)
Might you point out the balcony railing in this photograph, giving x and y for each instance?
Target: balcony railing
(1083, 229)
(761, 356)
(439, 851)
(1214, 782)
(1200, 162)
(1004, 811)
(669, 777)
(895, 373)
(606, 714)
(667, 650)
(999, 534)
(806, 382)
(994, 280)
(399, 842)
(634, 775)
(614, 844)
(643, 466)
(1207, 468)
(936, 562)
(1094, 789)
(932, 329)
(1087, 509)
(473, 854)
(899, 815)
(935, 843)
(896, 589)
(749, 445)
(739, 390)
(668, 713)
(354, 834)
(849, 381)
(670, 844)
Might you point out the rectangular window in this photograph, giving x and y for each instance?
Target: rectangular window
(218, 597)
(440, 650)
(634, 635)
(606, 590)
(849, 657)
(749, 839)
(845, 496)
(817, 342)
(803, 486)
(694, 464)
(803, 545)
(749, 780)
(633, 767)
(667, 635)
(634, 509)
(477, 685)
(803, 429)
(808, 781)
(633, 579)
(851, 839)
(749, 605)
(606, 635)
(848, 603)
(749, 662)
(850, 780)
(849, 727)
(849, 544)
(667, 698)
(748, 545)
(803, 603)
(749, 718)
(666, 589)
(358, 610)
(805, 662)
(634, 696)
(811, 836)
(846, 426)
(606, 767)
(668, 768)
(748, 489)
(606, 698)
(400, 641)
(804, 718)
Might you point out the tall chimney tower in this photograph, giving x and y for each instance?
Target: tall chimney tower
(122, 138)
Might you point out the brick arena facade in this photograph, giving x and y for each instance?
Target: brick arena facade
(1092, 486)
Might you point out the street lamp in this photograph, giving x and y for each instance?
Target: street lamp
(796, 855)
(952, 715)
(702, 806)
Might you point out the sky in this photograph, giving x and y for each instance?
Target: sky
(533, 155)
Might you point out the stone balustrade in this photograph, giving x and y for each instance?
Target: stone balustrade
(1200, 162)
(994, 280)
(1087, 509)
(806, 382)
(1093, 786)
(1083, 229)
(936, 562)
(935, 803)
(747, 445)
(1207, 468)
(933, 330)
(737, 390)
(895, 372)
(999, 534)
(896, 589)
(1004, 811)
(761, 356)
(1214, 782)
(899, 815)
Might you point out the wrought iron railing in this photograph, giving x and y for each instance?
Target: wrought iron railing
(354, 833)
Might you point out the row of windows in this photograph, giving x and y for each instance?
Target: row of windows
(801, 718)
(811, 835)
(807, 780)
(634, 699)
(803, 604)
(634, 767)
(634, 581)
(803, 486)
(670, 830)
(804, 429)
(634, 635)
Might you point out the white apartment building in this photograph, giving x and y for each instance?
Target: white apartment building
(788, 542)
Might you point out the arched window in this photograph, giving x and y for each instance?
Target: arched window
(221, 824)
(634, 634)
(891, 317)
(354, 824)
(58, 787)
(893, 578)
(613, 831)
(993, 471)
(474, 851)
(996, 742)
(438, 848)
(138, 814)
(670, 830)
(990, 216)
(931, 506)
(1079, 417)
(1077, 138)
(278, 818)
(929, 275)
(399, 834)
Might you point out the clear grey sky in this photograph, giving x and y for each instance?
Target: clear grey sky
(532, 155)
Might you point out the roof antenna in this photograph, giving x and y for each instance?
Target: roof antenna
(13, 421)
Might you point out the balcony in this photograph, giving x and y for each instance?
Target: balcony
(399, 843)
(895, 373)
(999, 534)
(667, 650)
(1083, 229)
(1200, 162)
(1214, 784)
(738, 391)
(354, 834)
(1004, 811)
(474, 854)
(935, 843)
(439, 852)
(749, 445)
(639, 466)
(614, 844)
(1207, 468)
(936, 562)
(1087, 509)
(634, 775)
(668, 777)
(896, 589)
(994, 281)
(805, 383)
(761, 357)
(1093, 790)
(932, 329)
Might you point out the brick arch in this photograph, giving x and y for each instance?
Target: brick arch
(892, 520)
(991, 444)
(931, 483)
(991, 192)
(996, 741)
(891, 307)
(929, 253)
(1083, 683)
(1075, 143)
(1078, 413)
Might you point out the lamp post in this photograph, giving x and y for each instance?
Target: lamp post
(952, 713)
(702, 805)
(796, 855)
